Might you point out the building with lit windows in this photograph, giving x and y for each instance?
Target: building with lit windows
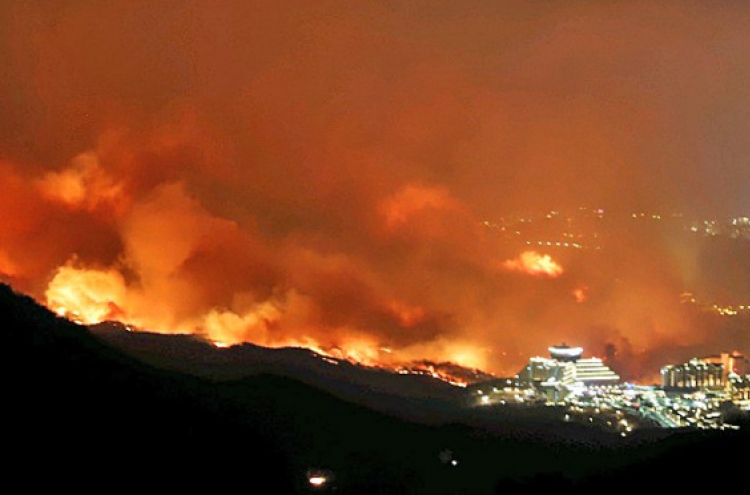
(565, 370)
(740, 388)
(710, 372)
(695, 373)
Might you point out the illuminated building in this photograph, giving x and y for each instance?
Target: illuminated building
(564, 370)
(707, 372)
(730, 363)
(740, 388)
(696, 373)
(593, 371)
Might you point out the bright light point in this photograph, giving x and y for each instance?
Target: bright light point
(454, 462)
(317, 481)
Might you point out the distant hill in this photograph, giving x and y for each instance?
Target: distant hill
(408, 396)
(81, 413)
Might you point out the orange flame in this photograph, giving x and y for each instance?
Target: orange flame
(86, 296)
(90, 296)
(533, 263)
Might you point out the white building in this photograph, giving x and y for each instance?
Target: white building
(566, 370)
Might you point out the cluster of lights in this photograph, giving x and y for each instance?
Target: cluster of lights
(735, 227)
(622, 407)
(720, 309)
(730, 310)
(716, 308)
(562, 244)
(508, 394)
(646, 216)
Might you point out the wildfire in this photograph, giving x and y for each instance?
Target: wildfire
(87, 296)
(91, 296)
(533, 263)
(433, 372)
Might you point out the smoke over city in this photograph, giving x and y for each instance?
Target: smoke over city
(350, 176)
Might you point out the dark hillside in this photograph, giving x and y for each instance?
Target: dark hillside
(79, 414)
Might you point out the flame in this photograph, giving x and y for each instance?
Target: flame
(87, 296)
(231, 328)
(363, 352)
(434, 371)
(580, 294)
(533, 263)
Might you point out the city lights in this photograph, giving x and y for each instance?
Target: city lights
(692, 395)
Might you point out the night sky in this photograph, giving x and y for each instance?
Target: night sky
(317, 173)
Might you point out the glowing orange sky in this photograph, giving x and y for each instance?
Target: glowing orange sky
(317, 172)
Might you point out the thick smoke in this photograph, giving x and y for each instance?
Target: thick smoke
(320, 173)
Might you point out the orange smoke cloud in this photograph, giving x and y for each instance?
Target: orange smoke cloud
(408, 316)
(533, 263)
(399, 208)
(7, 267)
(83, 185)
(580, 294)
(256, 173)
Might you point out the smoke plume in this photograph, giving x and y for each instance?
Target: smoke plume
(375, 179)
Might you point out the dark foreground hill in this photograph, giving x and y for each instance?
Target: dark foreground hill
(409, 396)
(80, 414)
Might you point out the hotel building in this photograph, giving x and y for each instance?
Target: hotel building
(564, 371)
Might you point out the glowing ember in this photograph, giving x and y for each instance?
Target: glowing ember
(580, 294)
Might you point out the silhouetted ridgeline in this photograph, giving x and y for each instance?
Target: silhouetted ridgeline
(83, 415)
(80, 414)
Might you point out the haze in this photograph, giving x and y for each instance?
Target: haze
(318, 173)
